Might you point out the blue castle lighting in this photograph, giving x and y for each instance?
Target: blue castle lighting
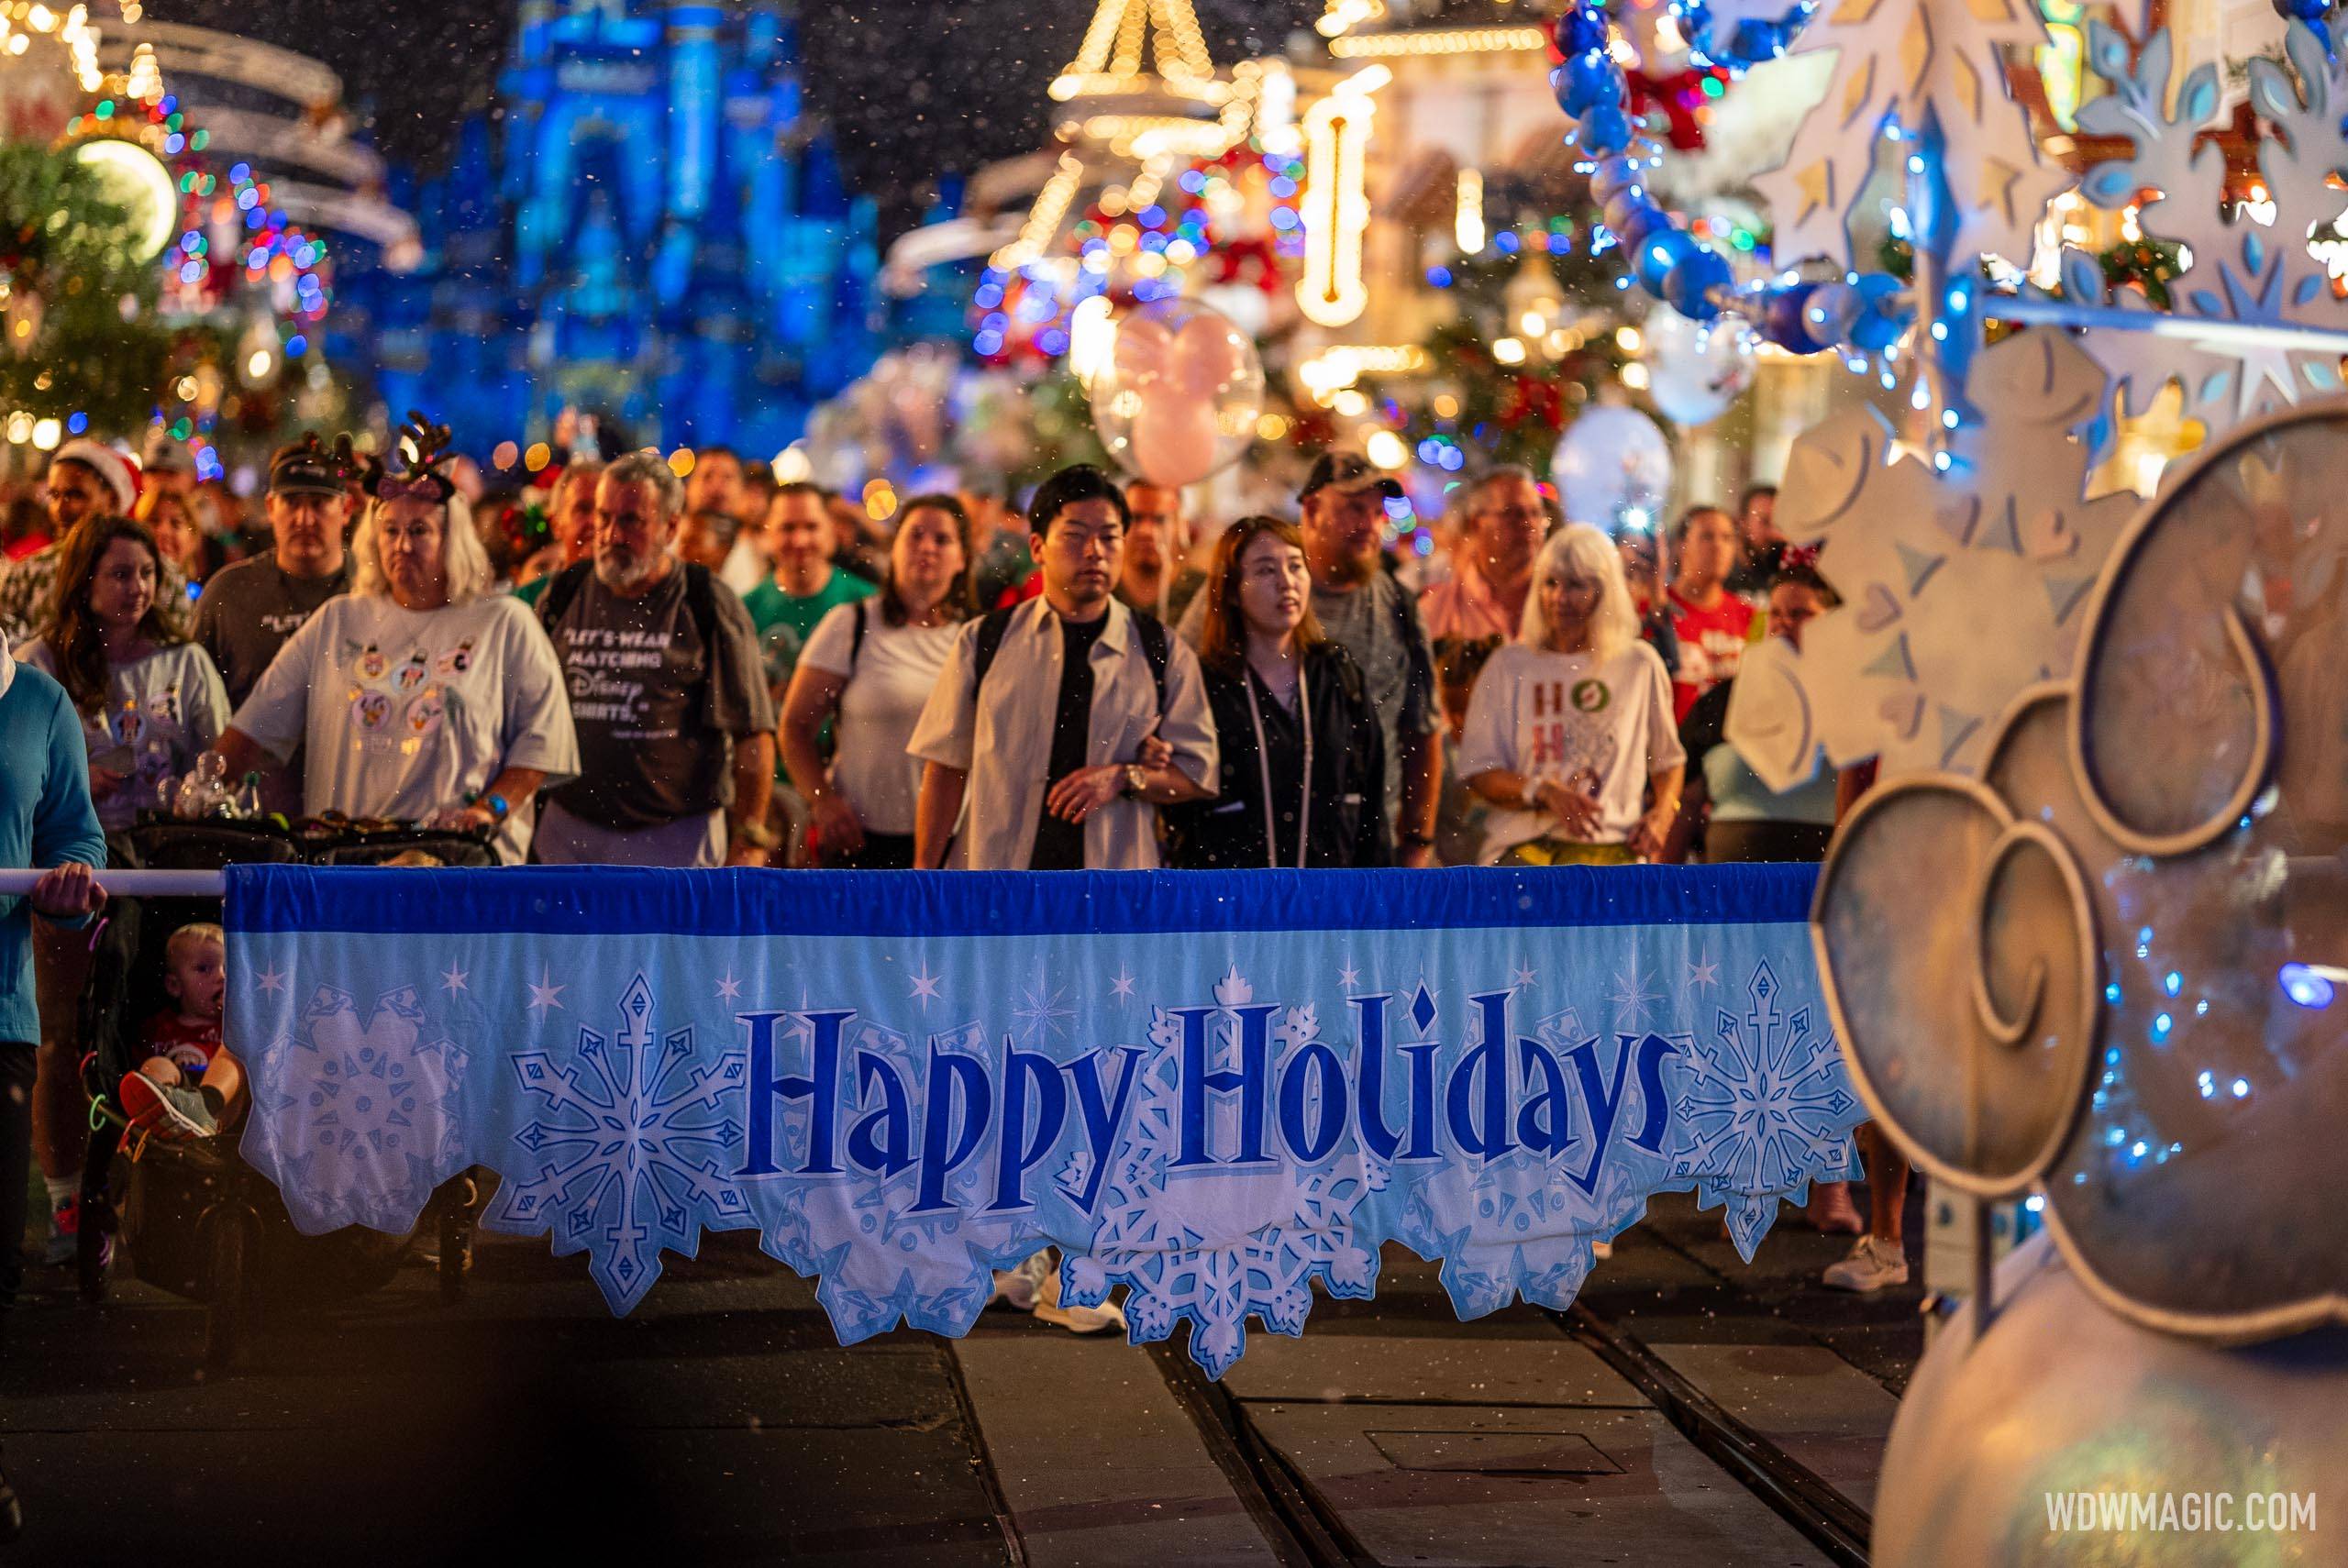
(653, 232)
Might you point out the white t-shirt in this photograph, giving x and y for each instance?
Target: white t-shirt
(162, 712)
(895, 672)
(1602, 730)
(405, 713)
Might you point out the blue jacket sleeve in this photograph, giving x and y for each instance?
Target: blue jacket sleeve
(65, 824)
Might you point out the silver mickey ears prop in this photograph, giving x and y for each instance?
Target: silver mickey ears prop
(2106, 970)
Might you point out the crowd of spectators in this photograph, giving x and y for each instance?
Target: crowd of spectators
(720, 670)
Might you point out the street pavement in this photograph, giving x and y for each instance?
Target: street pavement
(721, 1423)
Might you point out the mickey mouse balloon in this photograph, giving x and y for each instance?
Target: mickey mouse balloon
(1180, 394)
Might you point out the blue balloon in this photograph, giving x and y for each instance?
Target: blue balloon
(1687, 287)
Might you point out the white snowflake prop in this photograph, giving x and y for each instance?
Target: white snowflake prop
(1763, 1114)
(1913, 63)
(357, 1120)
(2244, 273)
(880, 1264)
(627, 1155)
(1958, 590)
(1218, 1246)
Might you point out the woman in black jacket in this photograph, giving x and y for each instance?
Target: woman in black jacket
(1304, 764)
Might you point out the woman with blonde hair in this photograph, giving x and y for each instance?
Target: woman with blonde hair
(1569, 734)
(421, 695)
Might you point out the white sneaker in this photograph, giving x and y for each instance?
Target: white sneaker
(1873, 1264)
(1075, 1320)
(1017, 1287)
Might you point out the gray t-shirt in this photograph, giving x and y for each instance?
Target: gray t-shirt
(1378, 624)
(248, 611)
(656, 706)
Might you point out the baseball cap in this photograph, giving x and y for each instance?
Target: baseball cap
(307, 468)
(1352, 474)
(162, 455)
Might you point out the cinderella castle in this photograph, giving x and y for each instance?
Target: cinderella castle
(651, 233)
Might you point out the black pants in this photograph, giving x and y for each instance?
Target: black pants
(881, 852)
(18, 1062)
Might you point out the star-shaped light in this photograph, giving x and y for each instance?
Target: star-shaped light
(270, 981)
(543, 993)
(1123, 985)
(926, 987)
(452, 980)
(729, 989)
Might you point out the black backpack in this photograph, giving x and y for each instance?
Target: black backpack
(1147, 627)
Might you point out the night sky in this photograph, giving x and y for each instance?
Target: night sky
(914, 86)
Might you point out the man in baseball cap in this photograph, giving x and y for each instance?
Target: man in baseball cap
(251, 608)
(1350, 474)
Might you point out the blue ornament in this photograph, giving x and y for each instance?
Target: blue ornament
(1591, 79)
(1661, 253)
(1604, 131)
(1832, 309)
(1687, 288)
(2308, 11)
(1642, 219)
(1786, 322)
(1580, 30)
(1610, 176)
(1882, 319)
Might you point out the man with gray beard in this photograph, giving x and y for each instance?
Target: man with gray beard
(676, 728)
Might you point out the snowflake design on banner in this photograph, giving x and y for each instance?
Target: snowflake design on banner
(1759, 1115)
(357, 1119)
(628, 1151)
(1518, 1226)
(1911, 63)
(880, 1265)
(1219, 1247)
(2243, 273)
(1958, 590)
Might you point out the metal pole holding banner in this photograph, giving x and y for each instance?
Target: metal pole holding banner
(17, 884)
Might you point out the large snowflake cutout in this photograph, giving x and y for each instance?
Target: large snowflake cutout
(1763, 1113)
(627, 1154)
(1217, 1246)
(1959, 589)
(357, 1119)
(2245, 274)
(880, 1262)
(1915, 64)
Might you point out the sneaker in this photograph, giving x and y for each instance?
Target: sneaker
(1017, 1288)
(167, 1112)
(1873, 1264)
(64, 1230)
(1075, 1320)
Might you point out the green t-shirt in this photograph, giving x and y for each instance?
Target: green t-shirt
(533, 591)
(785, 620)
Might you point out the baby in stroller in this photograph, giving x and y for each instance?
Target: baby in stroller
(188, 1087)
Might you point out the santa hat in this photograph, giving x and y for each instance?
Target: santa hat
(120, 471)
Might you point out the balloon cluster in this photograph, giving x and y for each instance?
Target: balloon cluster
(1181, 393)
(1867, 312)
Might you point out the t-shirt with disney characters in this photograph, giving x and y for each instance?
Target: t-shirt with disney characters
(405, 713)
(1600, 729)
(162, 712)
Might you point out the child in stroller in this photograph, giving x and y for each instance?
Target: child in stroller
(188, 1087)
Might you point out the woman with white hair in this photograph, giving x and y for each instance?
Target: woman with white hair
(421, 695)
(1569, 733)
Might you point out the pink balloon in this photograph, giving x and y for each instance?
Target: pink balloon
(1173, 439)
(1208, 355)
(1141, 351)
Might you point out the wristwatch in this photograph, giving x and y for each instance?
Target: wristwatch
(1137, 780)
(496, 806)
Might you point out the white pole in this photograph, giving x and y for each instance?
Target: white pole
(132, 884)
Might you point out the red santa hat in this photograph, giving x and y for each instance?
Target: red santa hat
(118, 468)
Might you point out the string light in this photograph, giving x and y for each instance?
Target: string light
(1453, 40)
(1333, 291)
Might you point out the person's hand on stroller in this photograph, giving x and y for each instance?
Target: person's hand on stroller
(69, 892)
(470, 818)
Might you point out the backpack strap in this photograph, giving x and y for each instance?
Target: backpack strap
(990, 643)
(562, 592)
(701, 603)
(1156, 648)
(856, 639)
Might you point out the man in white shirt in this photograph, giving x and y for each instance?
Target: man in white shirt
(1034, 736)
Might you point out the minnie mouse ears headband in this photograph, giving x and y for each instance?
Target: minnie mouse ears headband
(425, 447)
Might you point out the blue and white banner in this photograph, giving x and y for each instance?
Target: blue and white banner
(1215, 1090)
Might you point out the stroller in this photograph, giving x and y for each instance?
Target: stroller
(197, 1219)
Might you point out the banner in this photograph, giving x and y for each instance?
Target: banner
(1214, 1089)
